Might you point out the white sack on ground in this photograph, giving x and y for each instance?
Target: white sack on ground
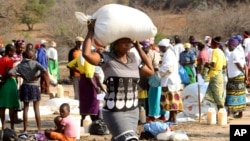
(54, 104)
(114, 21)
(190, 100)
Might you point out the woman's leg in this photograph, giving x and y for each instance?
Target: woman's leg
(174, 116)
(12, 118)
(2, 116)
(37, 114)
(94, 117)
(83, 117)
(25, 115)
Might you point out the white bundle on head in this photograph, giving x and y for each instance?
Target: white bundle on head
(114, 21)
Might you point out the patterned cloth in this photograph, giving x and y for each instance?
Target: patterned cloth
(171, 101)
(215, 89)
(236, 94)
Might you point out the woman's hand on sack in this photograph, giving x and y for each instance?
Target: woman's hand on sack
(91, 25)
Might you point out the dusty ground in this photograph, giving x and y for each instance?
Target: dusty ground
(196, 131)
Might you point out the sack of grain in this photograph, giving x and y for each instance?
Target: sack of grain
(114, 21)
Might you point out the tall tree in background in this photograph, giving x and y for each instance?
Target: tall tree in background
(34, 12)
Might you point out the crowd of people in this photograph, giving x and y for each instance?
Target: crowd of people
(124, 72)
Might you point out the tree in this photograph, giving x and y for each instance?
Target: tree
(34, 12)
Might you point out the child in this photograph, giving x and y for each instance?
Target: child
(67, 122)
(30, 70)
(59, 127)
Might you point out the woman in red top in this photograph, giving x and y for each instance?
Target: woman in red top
(8, 87)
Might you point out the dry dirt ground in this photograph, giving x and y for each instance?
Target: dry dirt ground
(196, 131)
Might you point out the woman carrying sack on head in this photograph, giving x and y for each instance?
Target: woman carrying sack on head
(120, 111)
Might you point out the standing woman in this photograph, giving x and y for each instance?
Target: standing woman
(53, 63)
(187, 60)
(215, 90)
(8, 87)
(120, 111)
(237, 76)
(88, 88)
(202, 59)
(170, 81)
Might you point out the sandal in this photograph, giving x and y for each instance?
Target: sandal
(23, 136)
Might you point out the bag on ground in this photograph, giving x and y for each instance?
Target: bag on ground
(98, 127)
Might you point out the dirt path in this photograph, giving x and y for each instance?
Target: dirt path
(196, 131)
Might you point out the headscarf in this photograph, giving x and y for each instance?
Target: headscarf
(216, 41)
(37, 46)
(246, 34)
(187, 45)
(238, 37)
(145, 43)
(233, 42)
(164, 42)
(19, 43)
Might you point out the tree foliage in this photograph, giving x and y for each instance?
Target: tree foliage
(34, 12)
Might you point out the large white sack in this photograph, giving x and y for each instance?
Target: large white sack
(55, 103)
(190, 100)
(190, 92)
(114, 21)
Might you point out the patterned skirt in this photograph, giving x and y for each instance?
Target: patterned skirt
(171, 101)
(236, 94)
(215, 90)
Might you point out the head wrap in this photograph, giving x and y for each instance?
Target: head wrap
(37, 45)
(192, 40)
(43, 42)
(164, 42)
(233, 42)
(145, 43)
(216, 41)
(19, 43)
(238, 37)
(246, 34)
(207, 38)
(187, 45)
(79, 39)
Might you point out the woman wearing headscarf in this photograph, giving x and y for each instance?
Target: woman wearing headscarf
(154, 92)
(121, 69)
(237, 77)
(170, 81)
(53, 64)
(215, 90)
(202, 59)
(187, 60)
